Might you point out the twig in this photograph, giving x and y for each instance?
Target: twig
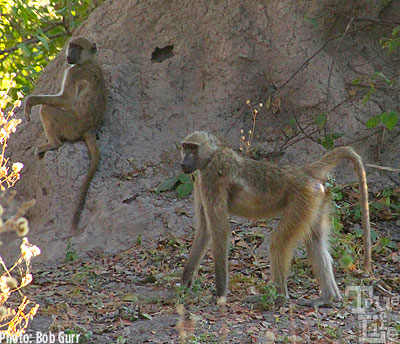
(333, 61)
(291, 143)
(384, 6)
(234, 123)
(356, 140)
(378, 21)
(339, 104)
(391, 169)
(376, 87)
(301, 129)
(276, 89)
(316, 53)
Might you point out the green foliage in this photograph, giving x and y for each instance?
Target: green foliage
(328, 141)
(373, 80)
(346, 260)
(385, 205)
(320, 120)
(184, 294)
(312, 20)
(388, 119)
(71, 255)
(32, 33)
(122, 340)
(139, 240)
(268, 297)
(392, 43)
(78, 332)
(182, 184)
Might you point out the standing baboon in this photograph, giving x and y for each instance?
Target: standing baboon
(227, 183)
(75, 113)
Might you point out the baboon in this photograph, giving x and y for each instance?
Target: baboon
(227, 183)
(76, 113)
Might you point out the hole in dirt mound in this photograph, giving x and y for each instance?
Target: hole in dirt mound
(161, 54)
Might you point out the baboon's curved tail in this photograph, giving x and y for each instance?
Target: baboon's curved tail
(94, 155)
(329, 161)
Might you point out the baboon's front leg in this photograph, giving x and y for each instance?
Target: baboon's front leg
(59, 100)
(201, 240)
(216, 212)
(220, 247)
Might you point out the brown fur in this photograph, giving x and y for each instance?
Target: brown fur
(227, 183)
(76, 113)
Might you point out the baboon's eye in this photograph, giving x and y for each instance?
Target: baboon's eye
(75, 46)
(191, 146)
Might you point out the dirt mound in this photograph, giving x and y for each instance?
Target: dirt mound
(173, 67)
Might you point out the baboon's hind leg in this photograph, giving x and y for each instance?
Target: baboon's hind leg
(57, 124)
(284, 239)
(318, 252)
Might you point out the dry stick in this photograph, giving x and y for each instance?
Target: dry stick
(234, 123)
(378, 21)
(333, 61)
(291, 143)
(299, 69)
(301, 129)
(316, 53)
(384, 6)
(391, 169)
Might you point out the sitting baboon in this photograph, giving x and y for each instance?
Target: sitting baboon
(75, 113)
(227, 183)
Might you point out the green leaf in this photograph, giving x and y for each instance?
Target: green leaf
(387, 192)
(375, 75)
(337, 195)
(312, 20)
(357, 212)
(336, 136)
(373, 121)
(396, 31)
(42, 38)
(374, 235)
(358, 233)
(132, 297)
(328, 143)
(292, 122)
(146, 316)
(184, 178)
(167, 185)
(184, 190)
(320, 120)
(383, 242)
(346, 260)
(71, 256)
(390, 119)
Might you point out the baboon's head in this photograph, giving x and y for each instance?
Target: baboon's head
(197, 150)
(80, 50)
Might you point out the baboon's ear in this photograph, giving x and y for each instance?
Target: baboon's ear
(212, 140)
(93, 49)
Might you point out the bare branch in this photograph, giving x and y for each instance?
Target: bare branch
(333, 62)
